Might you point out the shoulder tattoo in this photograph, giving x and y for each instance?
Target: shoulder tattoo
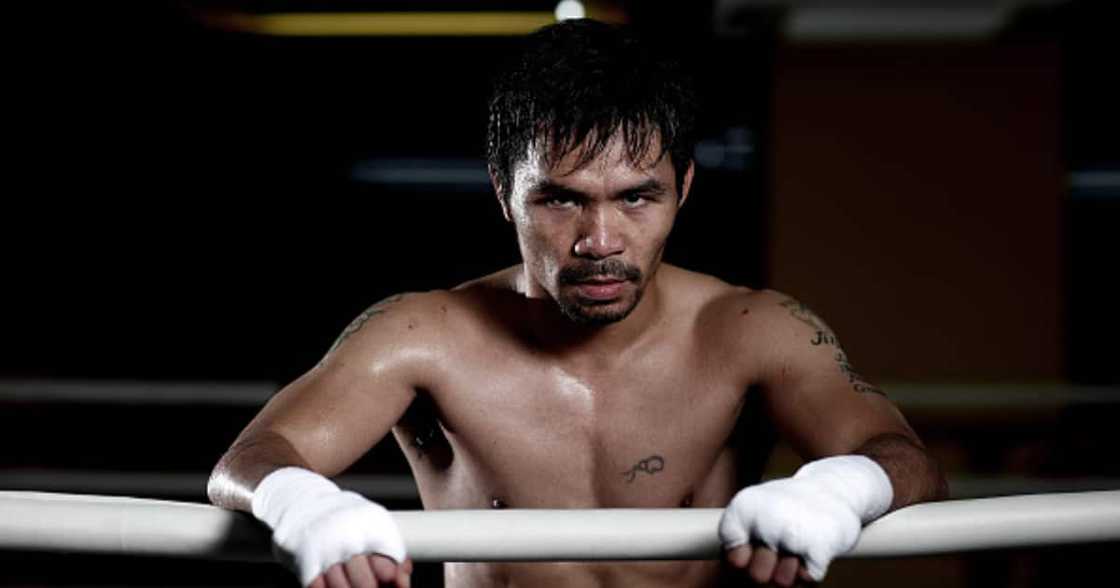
(361, 320)
(824, 336)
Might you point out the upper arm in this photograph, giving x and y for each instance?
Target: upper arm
(817, 400)
(335, 412)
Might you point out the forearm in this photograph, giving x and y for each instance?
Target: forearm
(246, 463)
(316, 526)
(915, 476)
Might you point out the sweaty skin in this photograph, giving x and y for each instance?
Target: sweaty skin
(500, 399)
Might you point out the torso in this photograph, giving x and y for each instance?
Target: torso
(515, 424)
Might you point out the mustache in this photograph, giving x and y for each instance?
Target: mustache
(608, 268)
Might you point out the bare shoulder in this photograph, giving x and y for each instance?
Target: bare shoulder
(694, 290)
(762, 333)
(428, 321)
(761, 306)
(403, 320)
(709, 299)
(713, 307)
(742, 319)
(787, 317)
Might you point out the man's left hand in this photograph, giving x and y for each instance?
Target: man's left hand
(816, 515)
(765, 566)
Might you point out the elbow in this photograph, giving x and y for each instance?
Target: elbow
(223, 487)
(215, 484)
(935, 486)
(916, 474)
(212, 489)
(238, 472)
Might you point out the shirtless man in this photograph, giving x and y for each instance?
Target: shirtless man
(589, 376)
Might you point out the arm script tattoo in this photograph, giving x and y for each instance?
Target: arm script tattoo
(825, 336)
(359, 322)
(650, 465)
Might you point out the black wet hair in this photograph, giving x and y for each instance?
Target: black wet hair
(578, 83)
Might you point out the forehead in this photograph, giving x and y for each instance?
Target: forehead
(612, 166)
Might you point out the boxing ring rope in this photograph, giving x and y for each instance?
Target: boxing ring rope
(41, 521)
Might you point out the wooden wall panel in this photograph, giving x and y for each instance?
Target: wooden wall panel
(918, 205)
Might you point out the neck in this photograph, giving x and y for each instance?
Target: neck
(556, 332)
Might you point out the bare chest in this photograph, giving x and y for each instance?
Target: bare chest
(531, 433)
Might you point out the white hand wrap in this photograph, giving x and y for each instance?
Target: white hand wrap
(817, 514)
(316, 525)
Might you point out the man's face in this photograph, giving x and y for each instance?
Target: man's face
(592, 237)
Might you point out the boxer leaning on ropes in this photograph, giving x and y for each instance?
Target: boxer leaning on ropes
(591, 375)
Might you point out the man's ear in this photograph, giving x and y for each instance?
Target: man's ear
(500, 193)
(686, 185)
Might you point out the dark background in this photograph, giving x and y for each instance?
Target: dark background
(196, 212)
(182, 202)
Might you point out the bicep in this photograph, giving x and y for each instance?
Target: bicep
(330, 419)
(347, 403)
(817, 399)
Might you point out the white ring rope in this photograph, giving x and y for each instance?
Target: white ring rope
(41, 521)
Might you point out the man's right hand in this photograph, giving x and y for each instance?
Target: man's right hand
(327, 536)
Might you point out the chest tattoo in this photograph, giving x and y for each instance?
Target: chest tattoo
(650, 465)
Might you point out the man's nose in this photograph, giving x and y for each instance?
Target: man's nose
(599, 236)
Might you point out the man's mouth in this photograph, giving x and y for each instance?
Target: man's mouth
(600, 288)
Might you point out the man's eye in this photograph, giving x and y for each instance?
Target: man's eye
(633, 199)
(558, 202)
